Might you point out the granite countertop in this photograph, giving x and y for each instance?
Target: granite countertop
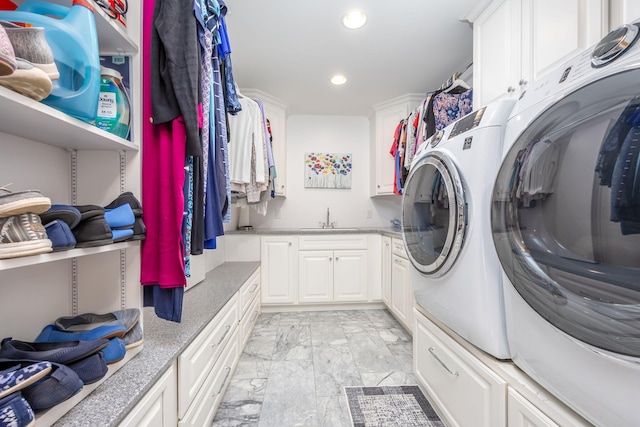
(108, 404)
(386, 231)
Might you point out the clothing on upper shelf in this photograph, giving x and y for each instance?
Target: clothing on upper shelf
(439, 109)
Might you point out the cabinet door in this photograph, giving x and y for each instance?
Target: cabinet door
(278, 269)
(350, 275)
(555, 31)
(496, 51)
(316, 276)
(623, 12)
(521, 413)
(462, 388)
(400, 280)
(386, 270)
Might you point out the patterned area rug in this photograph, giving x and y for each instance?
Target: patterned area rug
(401, 406)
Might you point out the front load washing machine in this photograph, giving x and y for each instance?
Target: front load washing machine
(446, 227)
(566, 227)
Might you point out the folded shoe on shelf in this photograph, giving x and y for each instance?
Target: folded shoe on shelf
(115, 351)
(28, 80)
(17, 376)
(56, 387)
(7, 54)
(22, 235)
(90, 369)
(52, 335)
(30, 44)
(60, 235)
(15, 411)
(128, 318)
(59, 351)
(19, 202)
(139, 229)
(93, 229)
(69, 214)
(120, 218)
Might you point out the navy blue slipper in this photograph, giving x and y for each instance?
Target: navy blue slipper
(69, 214)
(60, 235)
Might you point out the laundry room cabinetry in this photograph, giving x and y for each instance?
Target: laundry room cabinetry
(386, 116)
(333, 268)
(517, 41)
(279, 266)
(71, 162)
(467, 387)
(386, 270)
(401, 293)
(623, 12)
(275, 110)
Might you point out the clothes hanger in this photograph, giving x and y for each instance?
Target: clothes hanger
(457, 83)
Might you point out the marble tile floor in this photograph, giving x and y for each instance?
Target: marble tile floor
(295, 364)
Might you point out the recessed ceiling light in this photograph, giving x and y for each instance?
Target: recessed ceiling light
(338, 79)
(354, 19)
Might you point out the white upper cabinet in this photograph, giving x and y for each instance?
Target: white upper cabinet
(518, 41)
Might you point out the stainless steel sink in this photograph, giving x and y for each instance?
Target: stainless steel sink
(336, 229)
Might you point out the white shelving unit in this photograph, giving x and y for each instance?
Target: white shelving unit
(72, 162)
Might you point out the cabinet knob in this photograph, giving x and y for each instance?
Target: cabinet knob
(290, 243)
(330, 258)
(511, 89)
(378, 185)
(522, 82)
(336, 258)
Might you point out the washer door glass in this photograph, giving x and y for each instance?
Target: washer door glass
(433, 214)
(566, 214)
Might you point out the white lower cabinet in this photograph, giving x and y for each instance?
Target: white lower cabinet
(399, 292)
(204, 407)
(159, 406)
(198, 359)
(279, 266)
(463, 390)
(469, 388)
(522, 413)
(386, 270)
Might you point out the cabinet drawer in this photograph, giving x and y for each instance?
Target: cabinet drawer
(205, 405)
(397, 248)
(333, 242)
(248, 321)
(464, 390)
(158, 406)
(196, 361)
(250, 289)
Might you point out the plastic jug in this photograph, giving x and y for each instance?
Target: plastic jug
(71, 33)
(113, 107)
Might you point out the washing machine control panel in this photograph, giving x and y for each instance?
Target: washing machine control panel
(468, 122)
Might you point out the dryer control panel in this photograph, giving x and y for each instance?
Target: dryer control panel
(468, 122)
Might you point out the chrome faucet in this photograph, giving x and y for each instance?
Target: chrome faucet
(328, 224)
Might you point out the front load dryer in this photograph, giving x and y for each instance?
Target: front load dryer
(566, 227)
(446, 227)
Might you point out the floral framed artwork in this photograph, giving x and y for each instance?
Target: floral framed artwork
(327, 170)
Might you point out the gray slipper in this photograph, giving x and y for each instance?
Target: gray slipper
(20, 202)
(85, 322)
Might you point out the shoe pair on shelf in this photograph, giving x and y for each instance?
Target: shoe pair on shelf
(21, 230)
(93, 225)
(14, 408)
(27, 64)
(77, 349)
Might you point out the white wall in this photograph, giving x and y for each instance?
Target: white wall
(306, 207)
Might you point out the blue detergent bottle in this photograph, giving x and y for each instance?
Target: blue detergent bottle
(71, 33)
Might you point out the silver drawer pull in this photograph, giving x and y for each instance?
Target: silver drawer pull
(398, 261)
(224, 381)
(433, 353)
(223, 336)
(255, 287)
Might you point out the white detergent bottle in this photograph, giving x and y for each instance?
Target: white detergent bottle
(113, 106)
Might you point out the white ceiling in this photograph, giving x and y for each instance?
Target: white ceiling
(290, 49)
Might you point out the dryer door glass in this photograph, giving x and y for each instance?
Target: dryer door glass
(566, 214)
(433, 214)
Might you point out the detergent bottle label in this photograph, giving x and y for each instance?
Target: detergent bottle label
(107, 105)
